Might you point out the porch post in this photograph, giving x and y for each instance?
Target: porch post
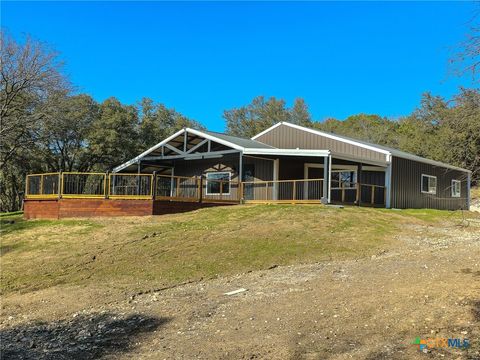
(329, 179)
(326, 179)
(276, 169)
(172, 182)
(388, 185)
(359, 184)
(240, 176)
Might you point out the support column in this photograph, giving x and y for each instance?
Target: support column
(276, 171)
(240, 176)
(359, 184)
(327, 161)
(329, 179)
(172, 182)
(388, 185)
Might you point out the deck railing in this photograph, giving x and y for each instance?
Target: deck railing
(83, 185)
(193, 189)
(283, 191)
(177, 188)
(221, 190)
(42, 185)
(128, 186)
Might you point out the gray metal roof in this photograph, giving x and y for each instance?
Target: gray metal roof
(392, 151)
(403, 154)
(243, 142)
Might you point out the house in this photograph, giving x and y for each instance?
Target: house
(291, 163)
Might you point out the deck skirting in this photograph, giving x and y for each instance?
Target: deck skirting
(71, 208)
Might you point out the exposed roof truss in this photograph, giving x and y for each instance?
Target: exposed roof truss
(187, 144)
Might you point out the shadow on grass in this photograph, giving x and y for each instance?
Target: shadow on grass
(7, 248)
(82, 337)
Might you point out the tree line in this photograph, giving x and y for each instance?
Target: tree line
(47, 126)
(447, 130)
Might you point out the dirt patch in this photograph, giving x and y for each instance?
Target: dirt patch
(424, 283)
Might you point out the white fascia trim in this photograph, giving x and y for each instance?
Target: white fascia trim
(213, 138)
(267, 130)
(180, 132)
(291, 152)
(146, 152)
(331, 136)
(431, 162)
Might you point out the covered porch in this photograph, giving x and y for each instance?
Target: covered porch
(203, 166)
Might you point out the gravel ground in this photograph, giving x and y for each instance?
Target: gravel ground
(426, 285)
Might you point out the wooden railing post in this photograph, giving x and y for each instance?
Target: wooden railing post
(41, 185)
(200, 188)
(294, 190)
(60, 175)
(26, 186)
(342, 185)
(221, 189)
(373, 194)
(154, 185)
(106, 185)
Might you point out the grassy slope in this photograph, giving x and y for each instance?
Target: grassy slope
(138, 253)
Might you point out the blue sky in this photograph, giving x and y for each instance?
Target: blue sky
(343, 58)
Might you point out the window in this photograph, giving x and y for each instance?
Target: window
(456, 188)
(218, 181)
(429, 184)
(344, 178)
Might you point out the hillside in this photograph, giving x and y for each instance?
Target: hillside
(141, 253)
(358, 267)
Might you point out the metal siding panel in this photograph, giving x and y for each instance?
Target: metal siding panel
(289, 138)
(406, 186)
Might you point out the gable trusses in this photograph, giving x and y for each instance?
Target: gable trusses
(185, 144)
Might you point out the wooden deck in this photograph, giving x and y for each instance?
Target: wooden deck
(62, 195)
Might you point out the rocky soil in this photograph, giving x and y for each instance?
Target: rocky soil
(427, 285)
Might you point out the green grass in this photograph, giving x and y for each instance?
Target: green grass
(15, 223)
(13, 213)
(147, 252)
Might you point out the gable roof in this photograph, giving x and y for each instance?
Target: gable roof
(240, 141)
(375, 147)
(244, 145)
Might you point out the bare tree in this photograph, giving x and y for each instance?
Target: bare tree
(30, 72)
(469, 55)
